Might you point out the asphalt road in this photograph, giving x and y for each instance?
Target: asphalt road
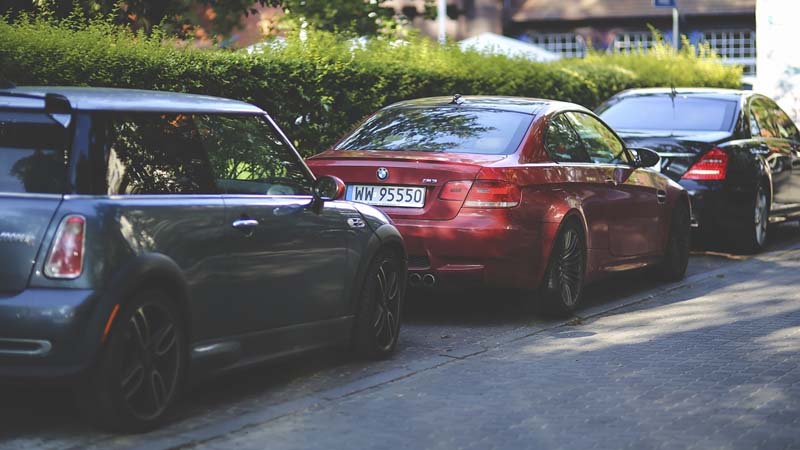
(437, 330)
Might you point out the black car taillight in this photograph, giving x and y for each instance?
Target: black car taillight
(711, 166)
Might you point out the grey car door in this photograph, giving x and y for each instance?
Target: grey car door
(286, 258)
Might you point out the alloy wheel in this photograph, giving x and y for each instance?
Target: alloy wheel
(761, 216)
(150, 357)
(569, 269)
(387, 305)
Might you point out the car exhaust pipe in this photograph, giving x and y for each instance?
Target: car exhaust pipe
(429, 280)
(414, 280)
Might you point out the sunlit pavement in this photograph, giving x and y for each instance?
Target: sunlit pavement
(711, 362)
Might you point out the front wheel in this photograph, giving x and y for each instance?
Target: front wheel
(563, 283)
(380, 306)
(140, 371)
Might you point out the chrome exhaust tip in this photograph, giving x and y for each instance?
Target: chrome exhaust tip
(414, 279)
(429, 280)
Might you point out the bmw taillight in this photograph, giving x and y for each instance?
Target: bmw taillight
(711, 166)
(493, 194)
(455, 191)
(65, 259)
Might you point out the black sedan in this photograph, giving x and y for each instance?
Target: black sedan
(736, 152)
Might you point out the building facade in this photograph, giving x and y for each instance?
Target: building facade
(571, 27)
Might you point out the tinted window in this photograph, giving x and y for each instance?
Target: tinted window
(157, 154)
(248, 156)
(600, 142)
(32, 153)
(444, 129)
(761, 120)
(782, 125)
(663, 112)
(562, 142)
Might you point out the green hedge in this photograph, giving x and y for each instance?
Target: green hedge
(318, 88)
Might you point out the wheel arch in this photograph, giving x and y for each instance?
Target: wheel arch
(148, 271)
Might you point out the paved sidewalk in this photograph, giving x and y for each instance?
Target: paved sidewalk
(713, 365)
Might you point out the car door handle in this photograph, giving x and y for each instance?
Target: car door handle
(244, 224)
(611, 181)
(661, 196)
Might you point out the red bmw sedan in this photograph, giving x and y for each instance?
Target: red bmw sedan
(513, 192)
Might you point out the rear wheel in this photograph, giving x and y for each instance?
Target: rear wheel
(676, 255)
(141, 369)
(753, 236)
(380, 307)
(563, 282)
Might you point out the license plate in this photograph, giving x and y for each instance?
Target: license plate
(400, 196)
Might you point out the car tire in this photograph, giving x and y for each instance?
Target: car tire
(141, 369)
(560, 292)
(380, 306)
(752, 237)
(676, 254)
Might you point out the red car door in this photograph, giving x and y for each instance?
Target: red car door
(634, 205)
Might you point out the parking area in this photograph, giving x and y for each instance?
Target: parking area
(711, 361)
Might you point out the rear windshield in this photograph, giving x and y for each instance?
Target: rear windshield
(444, 129)
(662, 112)
(32, 153)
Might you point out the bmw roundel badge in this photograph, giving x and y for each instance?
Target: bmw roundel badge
(383, 173)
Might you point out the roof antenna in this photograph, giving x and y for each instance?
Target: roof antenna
(457, 99)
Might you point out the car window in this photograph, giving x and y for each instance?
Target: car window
(563, 143)
(665, 112)
(451, 129)
(248, 156)
(783, 124)
(600, 142)
(32, 153)
(762, 116)
(156, 154)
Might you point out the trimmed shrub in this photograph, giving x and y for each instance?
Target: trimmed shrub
(319, 87)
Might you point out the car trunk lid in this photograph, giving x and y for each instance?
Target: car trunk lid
(428, 170)
(678, 149)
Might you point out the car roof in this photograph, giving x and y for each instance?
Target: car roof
(114, 99)
(514, 104)
(719, 93)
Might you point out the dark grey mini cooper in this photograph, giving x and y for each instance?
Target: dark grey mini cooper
(149, 236)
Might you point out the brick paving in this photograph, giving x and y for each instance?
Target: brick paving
(716, 365)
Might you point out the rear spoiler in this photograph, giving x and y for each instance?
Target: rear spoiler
(56, 105)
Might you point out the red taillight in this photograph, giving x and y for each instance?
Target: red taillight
(455, 191)
(493, 194)
(712, 166)
(65, 259)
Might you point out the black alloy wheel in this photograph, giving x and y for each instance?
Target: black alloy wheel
(141, 369)
(150, 362)
(564, 277)
(381, 303)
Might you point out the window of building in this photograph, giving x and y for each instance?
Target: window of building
(633, 41)
(568, 45)
(735, 47)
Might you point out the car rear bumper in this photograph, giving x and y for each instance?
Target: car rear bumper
(47, 333)
(718, 206)
(481, 248)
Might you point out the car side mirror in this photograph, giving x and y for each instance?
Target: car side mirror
(329, 188)
(644, 157)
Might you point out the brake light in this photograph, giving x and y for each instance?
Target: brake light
(711, 166)
(493, 194)
(455, 191)
(65, 259)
